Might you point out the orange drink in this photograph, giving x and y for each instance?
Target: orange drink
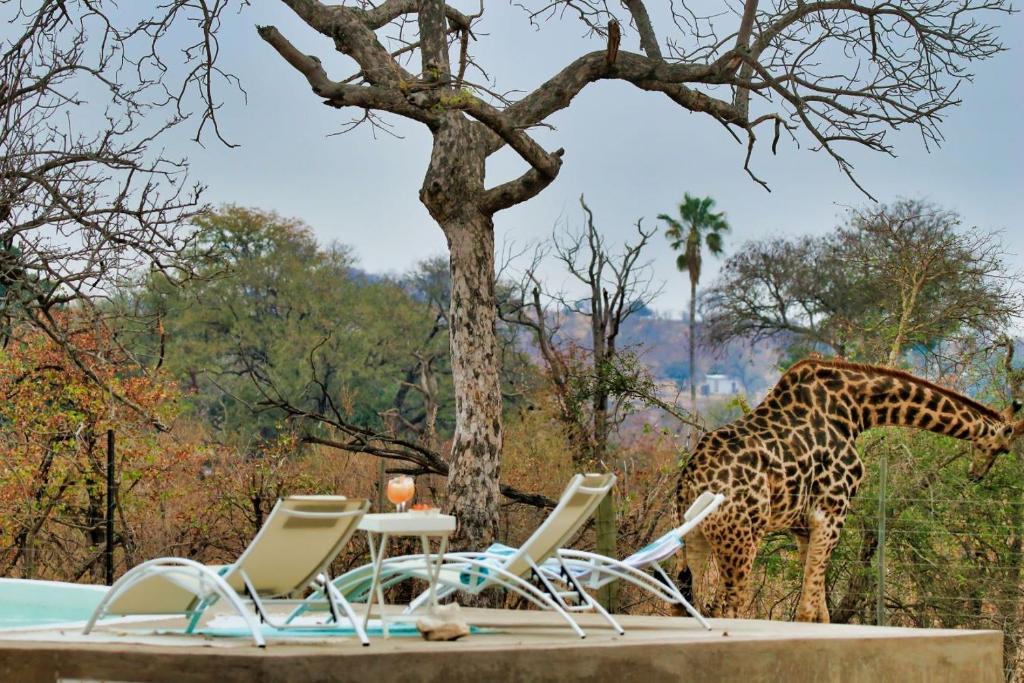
(400, 491)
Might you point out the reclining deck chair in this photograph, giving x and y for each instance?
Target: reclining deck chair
(519, 572)
(595, 571)
(289, 554)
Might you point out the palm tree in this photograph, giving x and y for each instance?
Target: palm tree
(697, 225)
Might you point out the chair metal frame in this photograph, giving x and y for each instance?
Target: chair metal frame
(213, 586)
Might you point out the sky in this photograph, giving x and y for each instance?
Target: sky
(633, 154)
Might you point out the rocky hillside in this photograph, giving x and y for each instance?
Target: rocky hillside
(662, 343)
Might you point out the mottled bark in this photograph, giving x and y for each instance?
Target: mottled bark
(476, 449)
(648, 39)
(451, 191)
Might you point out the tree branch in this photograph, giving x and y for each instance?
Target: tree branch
(650, 74)
(648, 39)
(339, 94)
(513, 192)
(438, 467)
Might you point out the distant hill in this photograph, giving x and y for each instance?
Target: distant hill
(662, 343)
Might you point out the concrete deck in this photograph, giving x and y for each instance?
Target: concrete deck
(528, 646)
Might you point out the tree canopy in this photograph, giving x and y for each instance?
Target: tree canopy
(888, 279)
(282, 321)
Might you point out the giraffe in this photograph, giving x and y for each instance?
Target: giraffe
(791, 464)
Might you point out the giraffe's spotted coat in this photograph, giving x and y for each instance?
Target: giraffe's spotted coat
(791, 464)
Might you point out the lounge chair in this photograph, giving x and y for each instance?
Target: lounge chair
(519, 572)
(595, 571)
(289, 554)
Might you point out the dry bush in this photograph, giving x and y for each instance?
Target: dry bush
(212, 504)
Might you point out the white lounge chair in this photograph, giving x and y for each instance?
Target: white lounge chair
(595, 571)
(519, 572)
(289, 554)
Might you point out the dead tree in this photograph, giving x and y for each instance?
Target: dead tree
(591, 386)
(590, 379)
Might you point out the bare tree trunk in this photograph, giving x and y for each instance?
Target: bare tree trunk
(476, 449)
(607, 544)
(451, 190)
(606, 522)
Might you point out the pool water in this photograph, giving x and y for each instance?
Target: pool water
(27, 603)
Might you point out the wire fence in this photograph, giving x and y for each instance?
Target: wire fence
(926, 562)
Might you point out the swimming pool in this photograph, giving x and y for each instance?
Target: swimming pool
(31, 605)
(26, 603)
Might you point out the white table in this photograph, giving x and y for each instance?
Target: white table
(381, 527)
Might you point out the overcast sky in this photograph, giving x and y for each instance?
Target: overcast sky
(632, 153)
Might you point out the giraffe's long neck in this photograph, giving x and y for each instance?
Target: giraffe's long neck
(884, 400)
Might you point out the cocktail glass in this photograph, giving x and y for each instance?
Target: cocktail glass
(401, 490)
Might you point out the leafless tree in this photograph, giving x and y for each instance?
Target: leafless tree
(87, 198)
(591, 386)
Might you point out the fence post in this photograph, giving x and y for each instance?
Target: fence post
(883, 476)
(608, 595)
(111, 497)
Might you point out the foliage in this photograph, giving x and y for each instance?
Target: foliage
(283, 321)
(52, 444)
(900, 276)
(697, 226)
(88, 196)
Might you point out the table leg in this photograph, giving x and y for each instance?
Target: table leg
(376, 590)
(434, 565)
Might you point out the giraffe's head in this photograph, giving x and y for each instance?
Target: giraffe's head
(994, 440)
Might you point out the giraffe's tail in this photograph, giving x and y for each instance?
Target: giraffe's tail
(684, 580)
(695, 557)
(692, 571)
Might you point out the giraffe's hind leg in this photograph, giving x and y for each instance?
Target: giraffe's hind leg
(802, 541)
(824, 536)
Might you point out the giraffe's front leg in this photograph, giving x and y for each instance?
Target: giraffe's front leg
(825, 528)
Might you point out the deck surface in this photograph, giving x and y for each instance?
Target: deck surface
(523, 646)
